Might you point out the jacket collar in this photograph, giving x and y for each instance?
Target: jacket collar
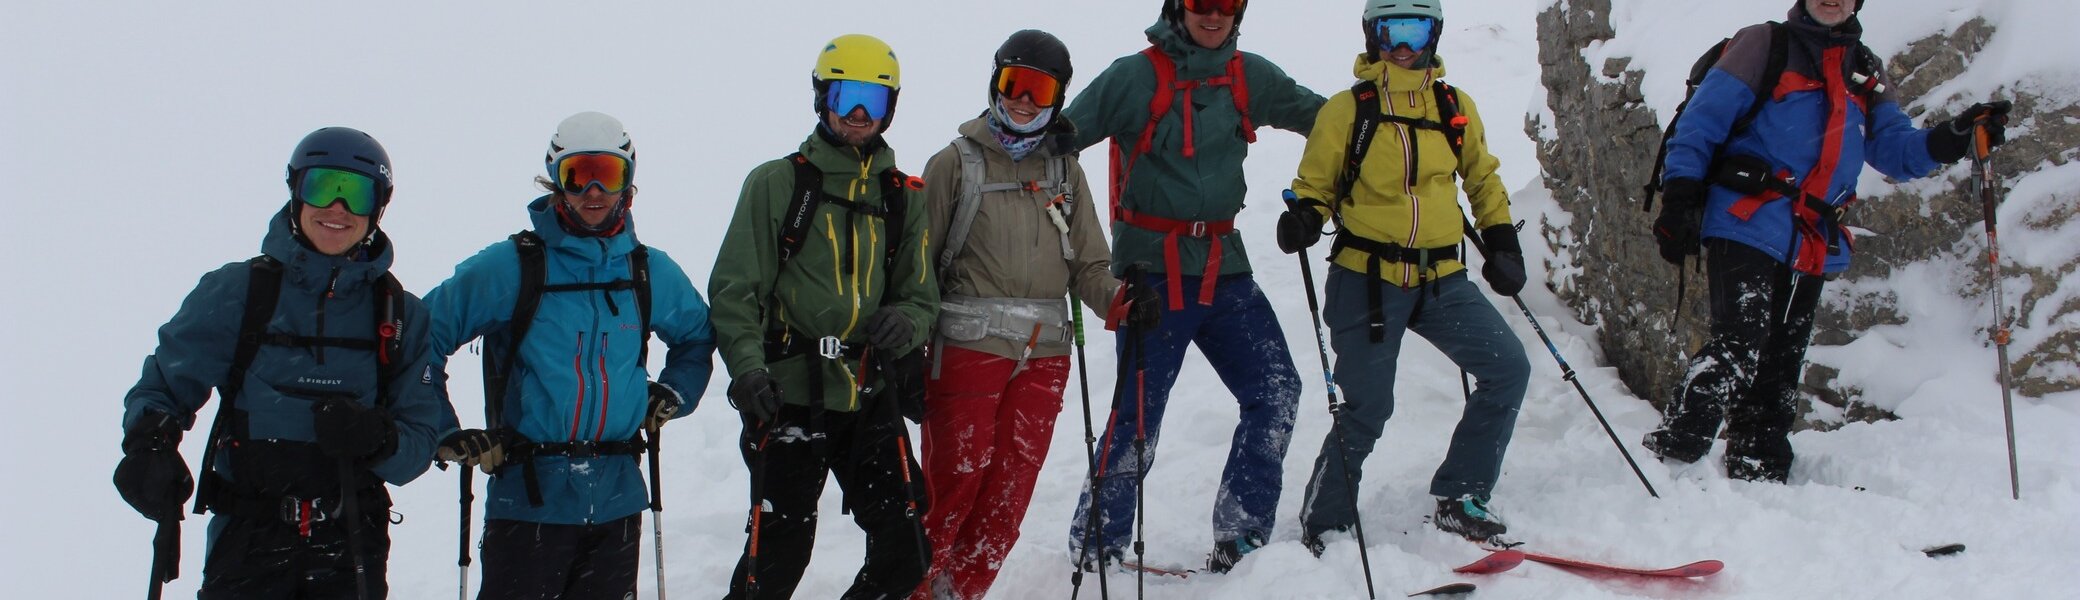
(1392, 78)
(592, 248)
(311, 269)
(1193, 61)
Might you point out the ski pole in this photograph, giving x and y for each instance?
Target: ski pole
(166, 554)
(1090, 452)
(1321, 347)
(656, 442)
(350, 506)
(468, 498)
(891, 396)
(1984, 180)
(1566, 372)
(758, 484)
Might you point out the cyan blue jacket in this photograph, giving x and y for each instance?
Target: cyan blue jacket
(320, 296)
(577, 377)
(1813, 129)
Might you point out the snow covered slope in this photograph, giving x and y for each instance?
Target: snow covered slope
(143, 143)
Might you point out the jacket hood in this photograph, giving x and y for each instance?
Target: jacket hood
(553, 235)
(1190, 56)
(1393, 78)
(361, 266)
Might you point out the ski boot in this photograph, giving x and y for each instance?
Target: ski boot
(1467, 516)
(1680, 448)
(1227, 553)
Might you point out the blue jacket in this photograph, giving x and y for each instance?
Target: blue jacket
(1798, 132)
(577, 377)
(320, 296)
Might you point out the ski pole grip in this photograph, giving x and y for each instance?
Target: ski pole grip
(1292, 200)
(1981, 142)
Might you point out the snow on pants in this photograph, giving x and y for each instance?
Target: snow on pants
(1747, 373)
(254, 558)
(1241, 339)
(1452, 315)
(867, 452)
(986, 433)
(542, 561)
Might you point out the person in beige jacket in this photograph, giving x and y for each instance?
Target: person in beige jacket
(1020, 234)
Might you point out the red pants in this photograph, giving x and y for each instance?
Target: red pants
(985, 436)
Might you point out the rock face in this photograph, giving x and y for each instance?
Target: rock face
(1607, 139)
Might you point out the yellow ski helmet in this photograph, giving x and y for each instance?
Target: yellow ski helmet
(861, 58)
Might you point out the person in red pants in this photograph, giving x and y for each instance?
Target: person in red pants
(1008, 185)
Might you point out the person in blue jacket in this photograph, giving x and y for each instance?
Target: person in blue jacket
(563, 517)
(1766, 195)
(327, 405)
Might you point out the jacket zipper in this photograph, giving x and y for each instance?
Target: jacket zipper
(331, 285)
(578, 370)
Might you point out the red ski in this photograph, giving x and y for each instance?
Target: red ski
(1702, 568)
(1495, 562)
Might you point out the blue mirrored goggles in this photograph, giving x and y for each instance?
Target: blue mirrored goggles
(844, 95)
(1415, 33)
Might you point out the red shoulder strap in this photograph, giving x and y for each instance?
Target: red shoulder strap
(1159, 103)
(1239, 87)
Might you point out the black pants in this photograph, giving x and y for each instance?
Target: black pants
(1747, 375)
(539, 561)
(253, 558)
(868, 454)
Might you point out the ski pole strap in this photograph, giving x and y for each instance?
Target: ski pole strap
(166, 550)
(1171, 229)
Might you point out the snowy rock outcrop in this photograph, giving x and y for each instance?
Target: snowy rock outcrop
(1598, 142)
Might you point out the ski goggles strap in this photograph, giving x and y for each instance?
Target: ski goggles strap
(578, 171)
(1224, 7)
(321, 187)
(1416, 33)
(1013, 81)
(844, 95)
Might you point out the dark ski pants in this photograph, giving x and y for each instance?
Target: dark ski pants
(270, 559)
(1452, 315)
(1747, 373)
(1241, 339)
(543, 561)
(865, 452)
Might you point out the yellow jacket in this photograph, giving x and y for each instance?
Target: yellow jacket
(1393, 201)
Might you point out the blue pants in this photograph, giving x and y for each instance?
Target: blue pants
(1453, 315)
(1240, 337)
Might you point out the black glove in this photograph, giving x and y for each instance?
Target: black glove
(1142, 306)
(1950, 142)
(152, 477)
(1679, 228)
(756, 394)
(663, 404)
(346, 429)
(484, 449)
(1299, 228)
(1504, 269)
(888, 329)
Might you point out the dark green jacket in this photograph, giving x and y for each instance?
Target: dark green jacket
(1207, 187)
(832, 284)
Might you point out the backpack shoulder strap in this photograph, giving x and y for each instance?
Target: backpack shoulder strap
(1158, 103)
(895, 211)
(794, 224)
(970, 200)
(526, 300)
(1772, 70)
(1238, 86)
(1364, 126)
(1448, 113)
(263, 290)
(639, 273)
(389, 343)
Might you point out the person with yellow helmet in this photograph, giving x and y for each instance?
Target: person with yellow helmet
(822, 292)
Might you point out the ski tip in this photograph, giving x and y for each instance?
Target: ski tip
(1943, 550)
(1452, 589)
(1497, 561)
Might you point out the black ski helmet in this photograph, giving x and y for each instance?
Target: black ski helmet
(1034, 49)
(342, 148)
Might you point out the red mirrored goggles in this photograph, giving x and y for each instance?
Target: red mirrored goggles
(1013, 81)
(578, 171)
(1207, 7)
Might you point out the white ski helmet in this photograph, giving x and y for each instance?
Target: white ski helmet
(588, 132)
(1404, 8)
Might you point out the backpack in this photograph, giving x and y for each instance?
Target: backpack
(502, 350)
(1167, 86)
(1772, 71)
(1365, 125)
(263, 290)
(972, 188)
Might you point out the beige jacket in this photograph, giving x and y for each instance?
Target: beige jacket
(1013, 249)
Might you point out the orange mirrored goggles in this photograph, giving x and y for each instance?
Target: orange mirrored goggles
(1224, 7)
(578, 171)
(1013, 81)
